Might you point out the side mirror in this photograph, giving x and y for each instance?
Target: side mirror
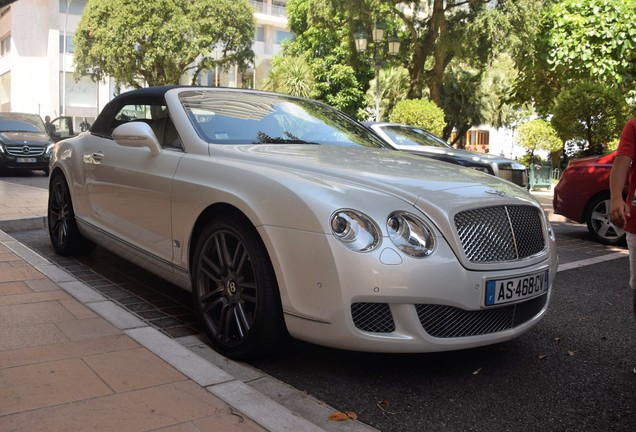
(137, 134)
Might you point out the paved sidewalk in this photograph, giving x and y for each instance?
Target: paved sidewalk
(65, 368)
(72, 360)
(22, 207)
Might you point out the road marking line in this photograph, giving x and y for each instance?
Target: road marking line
(590, 261)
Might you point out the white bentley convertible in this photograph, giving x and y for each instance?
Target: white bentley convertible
(281, 214)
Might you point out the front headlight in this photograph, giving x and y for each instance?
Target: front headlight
(355, 230)
(410, 234)
(49, 148)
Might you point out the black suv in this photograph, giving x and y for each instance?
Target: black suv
(24, 142)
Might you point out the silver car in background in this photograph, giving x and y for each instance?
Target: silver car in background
(284, 216)
(421, 142)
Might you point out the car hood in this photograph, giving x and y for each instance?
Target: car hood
(409, 177)
(24, 138)
(465, 154)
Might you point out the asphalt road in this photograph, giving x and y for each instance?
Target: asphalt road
(572, 372)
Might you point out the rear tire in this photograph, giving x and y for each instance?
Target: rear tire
(63, 231)
(236, 296)
(599, 224)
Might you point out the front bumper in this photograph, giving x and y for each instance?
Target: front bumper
(381, 301)
(40, 162)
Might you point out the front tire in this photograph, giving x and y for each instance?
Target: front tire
(599, 224)
(236, 296)
(65, 236)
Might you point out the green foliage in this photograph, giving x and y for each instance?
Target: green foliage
(583, 40)
(613, 144)
(530, 158)
(460, 100)
(437, 34)
(589, 112)
(538, 135)
(340, 88)
(496, 94)
(322, 37)
(422, 113)
(157, 41)
(394, 87)
(291, 75)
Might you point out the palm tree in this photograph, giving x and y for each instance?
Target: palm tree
(291, 75)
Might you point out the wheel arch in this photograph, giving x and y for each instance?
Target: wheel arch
(218, 210)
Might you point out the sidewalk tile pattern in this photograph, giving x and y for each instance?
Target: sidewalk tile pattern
(65, 368)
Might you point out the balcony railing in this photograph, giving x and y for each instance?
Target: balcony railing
(268, 8)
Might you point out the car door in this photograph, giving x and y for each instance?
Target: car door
(130, 190)
(63, 128)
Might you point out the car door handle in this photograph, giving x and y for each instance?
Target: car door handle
(97, 157)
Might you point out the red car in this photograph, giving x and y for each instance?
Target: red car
(582, 195)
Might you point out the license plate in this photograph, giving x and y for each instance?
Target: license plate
(26, 160)
(499, 291)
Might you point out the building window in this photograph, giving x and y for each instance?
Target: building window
(247, 79)
(69, 43)
(259, 36)
(478, 137)
(75, 7)
(5, 92)
(282, 36)
(5, 45)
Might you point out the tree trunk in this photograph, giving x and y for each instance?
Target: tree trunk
(438, 27)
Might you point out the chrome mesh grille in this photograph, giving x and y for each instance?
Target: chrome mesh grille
(502, 233)
(373, 317)
(449, 322)
(25, 149)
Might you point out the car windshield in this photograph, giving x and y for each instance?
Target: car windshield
(226, 117)
(13, 122)
(411, 136)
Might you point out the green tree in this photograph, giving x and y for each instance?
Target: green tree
(591, 113)
(461, 103)
(540, 135)
(291, 75)
(434, 35)
(394, 87)
(591, 40)
(157, 41)
(324, 41)
(422, 113)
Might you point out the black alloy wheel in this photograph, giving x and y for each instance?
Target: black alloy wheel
(236, 296)
(65, 236)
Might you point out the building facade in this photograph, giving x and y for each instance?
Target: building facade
(36, 59)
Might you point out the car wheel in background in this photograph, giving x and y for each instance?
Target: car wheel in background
(598, 222)
(235, 292)
(63, 231)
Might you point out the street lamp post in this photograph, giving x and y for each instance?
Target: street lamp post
(377, 38)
